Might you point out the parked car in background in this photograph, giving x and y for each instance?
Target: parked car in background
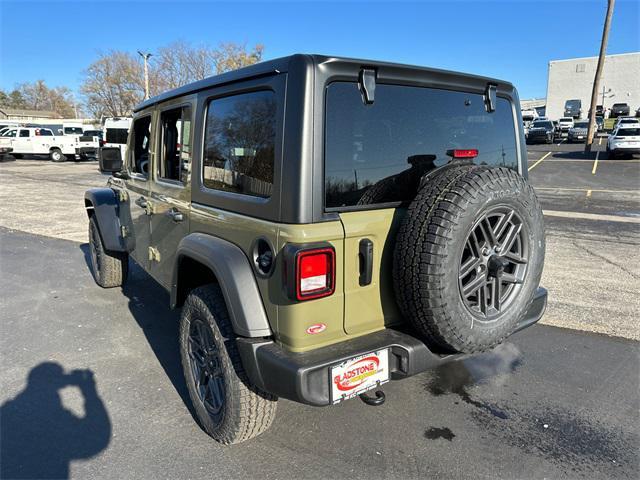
(578, 133)
(564, 124)
(619, 110)
(72, 128)
(115, 131)
(541, 131)
(573, 108)
(626, 120)
(600, 123)
(41, 141)
(638, 112)
(625, 140)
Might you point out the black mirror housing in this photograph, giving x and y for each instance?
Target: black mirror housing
(110, 159)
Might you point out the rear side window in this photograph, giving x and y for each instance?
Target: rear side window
(175, 151)
(376, 154)
(24, 133)
(239, 143)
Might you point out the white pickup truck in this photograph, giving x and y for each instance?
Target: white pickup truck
(42, 141)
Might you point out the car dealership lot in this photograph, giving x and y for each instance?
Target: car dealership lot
(551, 402)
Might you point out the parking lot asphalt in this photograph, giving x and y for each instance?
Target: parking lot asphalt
(568, 180)
(549, 403)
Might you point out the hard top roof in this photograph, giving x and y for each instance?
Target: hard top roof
(282, 65)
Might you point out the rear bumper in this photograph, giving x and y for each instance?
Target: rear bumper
(90, 152)
(304, 377)
(621, 151)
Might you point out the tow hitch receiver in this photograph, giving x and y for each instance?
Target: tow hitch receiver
(374, 402)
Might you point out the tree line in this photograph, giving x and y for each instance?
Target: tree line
(114, 83)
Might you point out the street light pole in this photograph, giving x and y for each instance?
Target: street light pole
(596, 81)
(146, 56)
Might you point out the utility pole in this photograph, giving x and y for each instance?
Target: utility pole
(596, 81)
(146, 56)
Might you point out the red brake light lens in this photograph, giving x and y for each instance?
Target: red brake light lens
(463, 153)
(315, 273)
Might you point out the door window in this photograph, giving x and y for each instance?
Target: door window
(175, 150)
(141, 139)
(24, 133)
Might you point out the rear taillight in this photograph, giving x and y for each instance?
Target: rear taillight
(315, 273)
(463, 153)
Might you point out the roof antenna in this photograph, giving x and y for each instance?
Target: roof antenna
(367, 85)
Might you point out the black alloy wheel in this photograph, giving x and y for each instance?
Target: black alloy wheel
(494, 263)
(206, 366)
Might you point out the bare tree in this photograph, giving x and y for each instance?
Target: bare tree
(38, 96)
(231, 56)
(113, 85)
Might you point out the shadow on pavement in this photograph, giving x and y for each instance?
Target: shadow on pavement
(39, 436)
(149, 305)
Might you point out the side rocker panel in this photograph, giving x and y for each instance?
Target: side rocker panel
(235, 276)
(106, 209)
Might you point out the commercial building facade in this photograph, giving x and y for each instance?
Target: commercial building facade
(573, 79)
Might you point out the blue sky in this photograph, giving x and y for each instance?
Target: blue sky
(513, 40)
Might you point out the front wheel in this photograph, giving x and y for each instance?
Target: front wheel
(56, 155)
(110, 269)
(228, 407)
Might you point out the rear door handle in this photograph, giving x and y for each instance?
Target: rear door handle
(365, 260)
(175, 215)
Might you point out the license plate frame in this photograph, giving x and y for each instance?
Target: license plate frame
(358, 374)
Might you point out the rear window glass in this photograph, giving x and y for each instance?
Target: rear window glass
(117, 135)
(628, 132)
(376, 154)
(73, 130)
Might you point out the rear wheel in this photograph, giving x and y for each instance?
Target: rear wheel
(56, 155)
(228, 407)
(469, 256)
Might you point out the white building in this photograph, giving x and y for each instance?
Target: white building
(573, 79)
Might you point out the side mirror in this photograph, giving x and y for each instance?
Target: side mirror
(110, 159)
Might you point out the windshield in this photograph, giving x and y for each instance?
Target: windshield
(73, 130)
(581, 125)
(542, 125)
(619, 105)
(628, 132)
(572, 104)
(377, 153)
(566, 120)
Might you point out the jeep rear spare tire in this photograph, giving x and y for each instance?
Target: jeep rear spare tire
(469, 257)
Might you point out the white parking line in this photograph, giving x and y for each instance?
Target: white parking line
(536, 164)
(591, 216)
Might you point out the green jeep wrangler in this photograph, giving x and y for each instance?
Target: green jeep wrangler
(326, 225)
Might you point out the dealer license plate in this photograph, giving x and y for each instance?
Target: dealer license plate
(356, 375)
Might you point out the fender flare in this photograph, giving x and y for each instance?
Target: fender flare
(106, 208)
(235, 276)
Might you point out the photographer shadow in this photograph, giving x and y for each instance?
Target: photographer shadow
(39, 436)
